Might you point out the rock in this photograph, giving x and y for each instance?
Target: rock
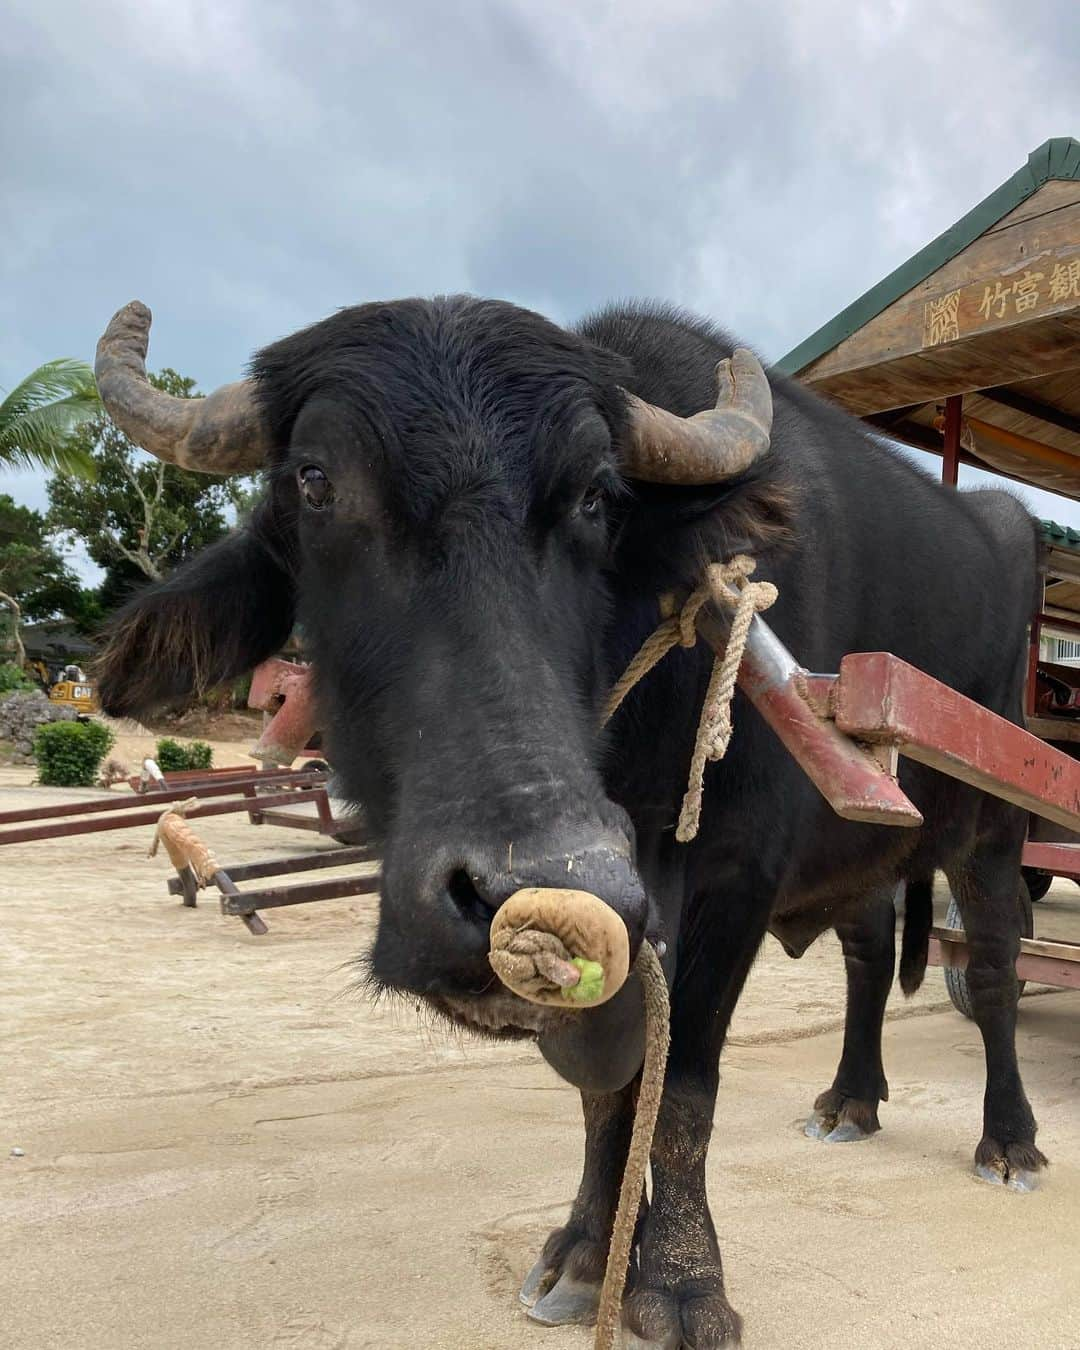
(18, 1153)
(22, 713)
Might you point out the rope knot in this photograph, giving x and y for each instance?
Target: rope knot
(532, 962)
(727, 585)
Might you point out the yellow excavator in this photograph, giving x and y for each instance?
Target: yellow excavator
(66, 685)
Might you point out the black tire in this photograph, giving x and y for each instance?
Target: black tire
(1038, 883)
(955, 979)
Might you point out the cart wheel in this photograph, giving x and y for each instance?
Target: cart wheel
(1038, 883)
(955, 979)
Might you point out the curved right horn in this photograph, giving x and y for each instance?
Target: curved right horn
(718, 443)
(222, 433)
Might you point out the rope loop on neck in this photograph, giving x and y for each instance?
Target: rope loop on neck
(728, 586)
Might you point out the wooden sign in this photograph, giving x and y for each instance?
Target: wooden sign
(1049, 284)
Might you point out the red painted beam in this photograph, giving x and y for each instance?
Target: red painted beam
(882, 699)
(1053, 963)
(65, 828)
(1061, 859)
(1066, 625)
(284, 689)
(795, 705)
(950, 457)
(278, 778)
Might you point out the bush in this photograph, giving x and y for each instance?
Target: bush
(12, 678)
(69, 753)
(172, 757)
(240, 689)
(200, 755)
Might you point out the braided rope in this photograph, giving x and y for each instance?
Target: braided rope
(726, 585)
(677, 630)
(182, 844)
(715, 727)
(651, 1090)
(532, 962)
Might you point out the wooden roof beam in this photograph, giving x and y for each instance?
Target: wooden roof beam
(926, 438)
(1032, 407)
(885, 421)
(1036, 451)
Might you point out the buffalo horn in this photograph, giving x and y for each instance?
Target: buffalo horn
(718, 443)
(222, 433)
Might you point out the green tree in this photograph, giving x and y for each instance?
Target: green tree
(35, 581)
(38, 417)
(139, 513)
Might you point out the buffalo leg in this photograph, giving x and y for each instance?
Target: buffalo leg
(849, 1109)
(564, 1284)
(679, 1298)
(986, 888)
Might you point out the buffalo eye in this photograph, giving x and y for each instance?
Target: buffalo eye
(592, 500)
(315, 487)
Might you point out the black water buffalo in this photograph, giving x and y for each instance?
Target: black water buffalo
(472, 513)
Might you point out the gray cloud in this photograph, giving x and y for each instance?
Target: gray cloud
(247, 166)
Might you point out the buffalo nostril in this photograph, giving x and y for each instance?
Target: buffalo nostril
(470, 903)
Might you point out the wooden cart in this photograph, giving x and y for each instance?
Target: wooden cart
(971, 350)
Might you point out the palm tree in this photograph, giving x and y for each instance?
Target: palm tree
(39, 415)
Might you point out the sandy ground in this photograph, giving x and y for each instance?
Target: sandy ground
(224, 1147)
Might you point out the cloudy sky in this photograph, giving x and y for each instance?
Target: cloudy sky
(247, 166)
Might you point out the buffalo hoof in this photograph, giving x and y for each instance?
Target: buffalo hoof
(1019, 1180)
(837, 1119)
(656, 1320)
(536, 1283)
(1016, 1166)
(563, 1287)
(829, 1131)
(569, 1302)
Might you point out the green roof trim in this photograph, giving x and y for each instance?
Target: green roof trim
(1060, 536)
(1056, 159)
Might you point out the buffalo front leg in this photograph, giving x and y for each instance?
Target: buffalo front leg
(848, 1110)
(986, 888)
(564, 1284)
(679, 1298)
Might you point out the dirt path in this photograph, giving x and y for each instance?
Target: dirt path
(224, 1147)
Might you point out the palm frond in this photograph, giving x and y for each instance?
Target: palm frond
(54, 380)
(41, 438)
(39, 416)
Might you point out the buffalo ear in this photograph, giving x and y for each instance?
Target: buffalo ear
(668, 533)
(213, 619)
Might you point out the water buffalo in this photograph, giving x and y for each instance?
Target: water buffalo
(472, 513)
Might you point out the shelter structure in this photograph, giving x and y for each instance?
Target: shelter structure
(971, 350)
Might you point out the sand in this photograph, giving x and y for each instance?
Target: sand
(225, 1146)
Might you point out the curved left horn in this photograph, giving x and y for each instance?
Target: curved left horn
(222, 433)
(718, 443)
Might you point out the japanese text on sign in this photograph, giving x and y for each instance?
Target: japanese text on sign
(1054, 281)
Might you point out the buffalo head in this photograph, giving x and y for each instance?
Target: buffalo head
(469, 516)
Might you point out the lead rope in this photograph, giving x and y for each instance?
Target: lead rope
(657, 1036)
(680, 629)
(710, 743)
